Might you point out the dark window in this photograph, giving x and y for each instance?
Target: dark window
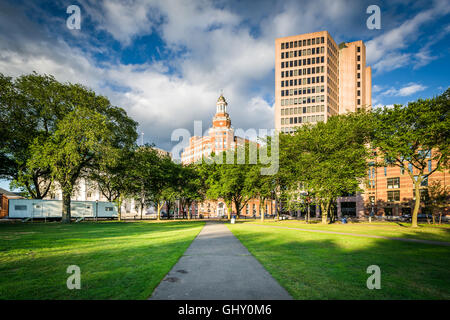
(20, 207)
(393, 183)
(393, 196)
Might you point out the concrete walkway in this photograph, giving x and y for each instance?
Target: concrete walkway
(433, 242)
(216, 266)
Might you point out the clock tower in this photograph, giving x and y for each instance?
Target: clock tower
(221, 118)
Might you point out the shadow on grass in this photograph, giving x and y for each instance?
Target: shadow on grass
(423, 232)
(127, 263)
(92, 231)
(324, 266)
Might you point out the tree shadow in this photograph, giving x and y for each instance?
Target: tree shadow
(110, 268)
(326, 266)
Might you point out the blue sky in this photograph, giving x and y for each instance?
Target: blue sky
(166, 61)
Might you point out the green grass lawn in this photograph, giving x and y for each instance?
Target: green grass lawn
(327, 266)
(387, 229)
(118, 260)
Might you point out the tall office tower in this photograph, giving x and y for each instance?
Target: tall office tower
(306, 80)
(355, 79)
(315, 79)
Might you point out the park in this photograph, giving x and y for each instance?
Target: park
(129, 260)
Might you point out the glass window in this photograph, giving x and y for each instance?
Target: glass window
(393, 183)
(393, 196)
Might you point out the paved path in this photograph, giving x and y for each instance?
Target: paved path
(216, 266)
(438, 243)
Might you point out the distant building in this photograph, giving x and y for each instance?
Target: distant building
(220, 137)
(87, 190)
(316, 79)
(5, 196)
(390, 190)
(355, 78)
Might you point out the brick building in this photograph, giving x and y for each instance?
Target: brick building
(221, 137)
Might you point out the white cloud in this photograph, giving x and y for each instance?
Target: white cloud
(219, 56)
(407, 90)
(385, 51)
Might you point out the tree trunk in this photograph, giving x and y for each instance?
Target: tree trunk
(189, 212)
(158, 216)
(262, 212)
(416, 204)
(308, 215)
(119, 207)
(66, 207)
(276, 210)
(324, 214)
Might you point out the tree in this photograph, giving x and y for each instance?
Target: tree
(415, 138)
(191, 187)
(31, 106)
(80, 139)
(438, 199)
(159, 174)
(232, 181)
(113, 175)
(329, 159)
(87, 133)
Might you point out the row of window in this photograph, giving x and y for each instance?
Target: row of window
(304, 81)
(305, 42)
(300, 62)
(292, 82)
(394, 196)
(304, 52)
(304, 119)
(394, 183)
(304, 71)
(309, 109)
(304, 100)
(402, 171)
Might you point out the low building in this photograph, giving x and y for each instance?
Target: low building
(390, 190)
(5, 196)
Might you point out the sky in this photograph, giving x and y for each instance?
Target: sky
(166, 62)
